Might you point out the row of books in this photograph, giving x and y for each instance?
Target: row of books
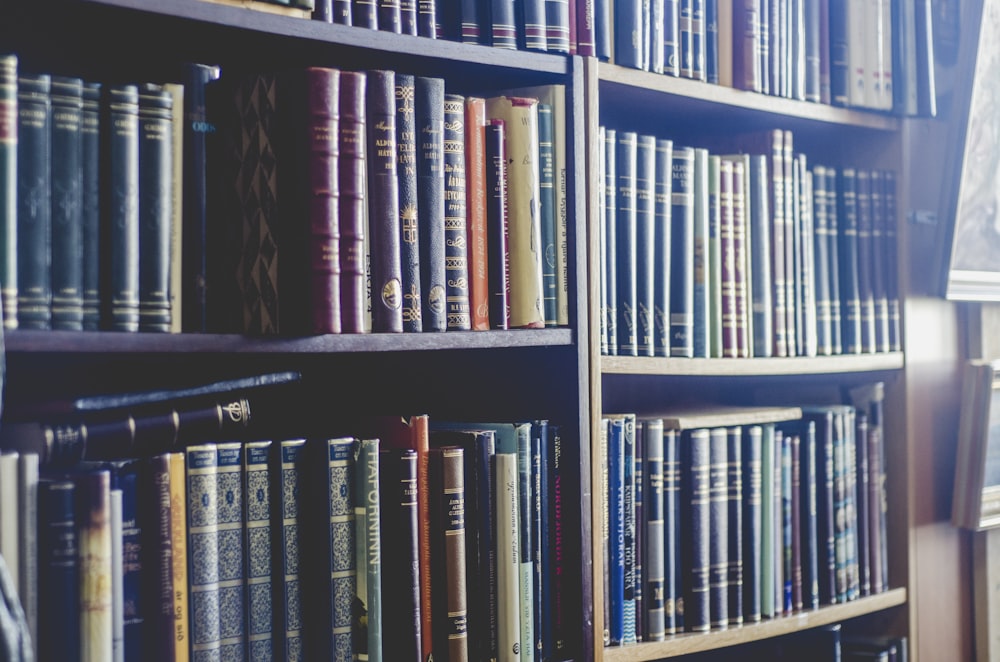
(874, 54)
(719, 518)
(748, 254)
(331, 205)
(278, 550)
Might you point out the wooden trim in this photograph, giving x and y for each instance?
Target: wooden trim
(848, 363)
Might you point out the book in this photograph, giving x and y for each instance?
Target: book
(809, 515)
(616, 531)
(66, 183)
(742, 271)
(847, 255)
(498, 257)
(95, 549)
(696, 529)
(476, 205)
(176, 91)
(426, 19)
(524, 231)
(654, 576)
(701, 308)
(672, 554)
(505, 500)
(713, 255)
(382, 192)
(761, 289)
(258, 531)
(645, 252)
(9, 513)
(627, 31)
(879, 263)
(406, 171)
(203, 546)
(751, 481)
(629, 524)
(639, 544)
(865, 259)
(626, 246)
(8, 188)
(367, 627)
(547, 209)
(609, 242)
(90, 121)
(27, 524)
(364, 14)
(59, 569)
(448, 522)
(117, 576)
(531, 30)
(429, 104)
(682, 253)
(287, 514)
(352, 172)
(458, 315)
(718, 531)
(503, 33)
(155, 213)
(662, 220)
(156, 494)
(735, 578)
(34, 211)
(557, 25)
(727, 262)
(130, 548)
(389, 16)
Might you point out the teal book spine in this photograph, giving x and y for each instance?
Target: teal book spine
(121, 217)
(232, 584)
(368, 550)
(34, 118)
(91, 213)
(8, 189)
(203, 550)
(259, 553)
(767, 606)
(546, 185)
(67, 197)
(156, 114)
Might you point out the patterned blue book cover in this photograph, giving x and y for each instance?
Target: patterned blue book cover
(232, 582)
(287, 586)
(257, 522)
(203, 551)
(629, 530)
(344, 582)
(368, 555)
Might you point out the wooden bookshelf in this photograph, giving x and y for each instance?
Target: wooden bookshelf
(761, 367)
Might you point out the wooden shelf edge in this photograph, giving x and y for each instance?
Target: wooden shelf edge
(757, 367)
(750, 101)
(694, 643)
(109, 342)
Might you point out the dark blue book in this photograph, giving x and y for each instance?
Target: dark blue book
(862, 513)
(840, 74)
(127, 478)
(662, 209)
(90, 199)
(833, 260)
(712, 41)
(258, 532)
(821, 421)
(645, 245)
(682, 254)
(750, 457)
(698, 38)
(847, 256)
(473, 22)
(892, 276)
(654, 585)
(810, 515)
(390, 16)
(203, 546)
(602, 29)
(67, 203)
(718, 521)
(700, 278)
(504, 24)
(531, 32)
(629, 528)
(547, 203)
(625, 242)
(879, 262)
(735, 575)
(685, 31)
(610, 238)
(287, 514)
(427, 18)
(364, 14)
(628, 32)
(866, 259)
(813, 24)
(673, 579)
(456, 258)
(695, 529)
(616, 530)
(638, 545)
(671, 37)
(557, 30)
(232, 576)
(58, 570)
(406, 180)
(429, 101)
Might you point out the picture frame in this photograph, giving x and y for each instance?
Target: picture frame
(976, 496)
(971, 205)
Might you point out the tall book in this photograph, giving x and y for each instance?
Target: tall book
(159, 582)
(177, 468)
(121, 218)
(645, 253)
(352, 172)
(203, 545)
(557, 25)
(548, 211)
(742, 269)
(90, 240)
(59, 570)
(230, 536)
(671, 37)
(133, 557)
(879, 262)
(505, 503)
(476, 205)
(400, 553)
(696, 529)
(759, 226)
(750, 459)
(8, 189)
(735, 573)
(258, 528)
(662, 222)
(177, 159)
(287, 515)
(156, 186)
(117, 574)
(520, 116)
(429, 103)
(654, 576)
(682, 254)
(383, 210)
(627, 22)
(768, 605)
(498, 257)
(67, 203)
(616, 530)
(701, 310)
(526, 551)
(27, 505)
(34, 138)
(718, 519)
(712, 259)
(672, 517)
(810, 515)
(609, 241)
(406, 173)
(456, 261)
(389, 16)
(727, 261)
(629, 523)
(626, 247)
(865, 259)
(450, 600)
(95, 549)
(367, 551)
(847, 239)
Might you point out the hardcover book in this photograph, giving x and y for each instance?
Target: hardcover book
(406, 172)
(455, 215)
(59, 570)
(95, 546)
(508, 559)
(231, 549)
(203, 545)
(352, 171)
(367, 628)
(498, 258)
(90, 199)
(645, 245)
(682, 254)
(431, 203)
(449, 550)
(662, 220)
(67, 203)
(288, 556)
(547, 208)
(476, 205)
(260, 616)
(8, 189)
(609, 245)
(34, 136)
(625, 256)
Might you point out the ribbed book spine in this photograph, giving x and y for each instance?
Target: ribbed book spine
(547, 203)
(406, 173)
(557, 26)
(654, 577)
(34, 137)
(496, 225)
(508, 627)
(94, 519)
(259, 555)
(734, 524)
(156, 186)
(383, 208)
(351, 208)
(476, 197)
(682, 254)
(456, 254)
(67, 203)
(90, 200)
(645, 244)
(718, 518)
(117, 577)
(8, 189)
(59, 571)
(504, 28)
(368, 550)
(429, 102)
(662, 214)
(625, 242)
(121, 227)
(203, 543)
(741, 272)
(759, 226)
(695, 529)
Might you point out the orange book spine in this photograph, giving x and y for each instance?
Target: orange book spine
(475, 172)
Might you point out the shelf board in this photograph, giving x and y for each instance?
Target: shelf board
(109, 342)
(644, 89)
(798, 365)
(694, 643)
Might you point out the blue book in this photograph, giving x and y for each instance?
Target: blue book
(810, 515)
(638, 544)
(673, 617)
(232, 583)
(734, 522)
(625, 242)
(711, 43)
(616, 530)
(540, 498)
(259, 556)
(645, 254)
(59, 571)
(367, 541)
(653, 522)
(287, 588)
(682, 254)
(203, 549)
(629, 529)
(701, 321)
(671, 38)
(662, 206)
(628, 31)
(695, 529)
(718, 519)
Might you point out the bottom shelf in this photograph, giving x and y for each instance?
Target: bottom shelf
(684, 644)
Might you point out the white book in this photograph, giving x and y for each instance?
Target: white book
(886, 58)
(873, 53)
(507, 558)
(9, 547)
(857, 80)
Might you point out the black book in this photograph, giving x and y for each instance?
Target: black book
(695, 529)
(408, 17)
(750, 459)
(90, 216)
(196, 127)
(456, 259)
(448, 20)
(429, 102)
(400, 552)
(645, 245)
(34, 137)
(67, 203)
(718, 522)
(155, 199)
(58, 570)
(504, 29)
(904, 58)
(496, 224)
(8, 189)
(406, 179)
(625, 242)
(610, 242)
(821, 420)
(682, 254)
(662, 209)
(847, 240)
(654, 577)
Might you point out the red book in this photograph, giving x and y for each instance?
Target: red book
(351, 202)
(475, 173)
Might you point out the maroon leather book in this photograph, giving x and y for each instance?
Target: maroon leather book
(383, 203)
(351, 205)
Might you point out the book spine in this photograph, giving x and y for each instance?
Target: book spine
(785, 521)
(713, 257)
(810, 519)
(696, 530)
(34, 136)
(59, 570)
(760, 259)
(159, 603)
(117, 577)
(629, 528)
(181, 589)
(470, 31)
(400, 547)
(456, 258)
(653, 497)
(531, 28)
(671, 38)
(67, 203)
(792, 281)
(121, 230)
(364, 14)
(546, 207)
(609, 239)
(603, 28)
(682, 254)
(698, 34)
(765, 46)
(604, 458)
(796, 522)
(8, 189)
(625, 243)
(750, 456)
(134, 564)
(582, 28)
(9, 542)
(727, 263)
(176, 91)
(525, 543)
(833, 262)
(735, 577)
(557, 26)
(351, 172)
(541, 542)
(420, 441)
(741, 272)
(476, 205)
(639, 544)
(203, 543)
(840, 73)
(686, 41)
(878, 266)
(711, 41)
(616, 531)
(383, 210)
(767, 523)
(426, 19)
(701, 322)
(558, 596)
(627, 33)
(406, 171)
(672, 553)
(408, 17)
(27, 521)
(155, 182)
(747, 46)
(508, 600)
(486, 545)
(94, 517)
(847, 237)
(778, 251)
(504, 28)
(866, 258)
(389, 18)
(822, 423)
(645, 256)
(496, 224)
(368, 549)
(891, 257)
(429, 103)
(288, 599)
(452, 517)
(663, 206)
(259, 553)
(718, 518)
(824, 336)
